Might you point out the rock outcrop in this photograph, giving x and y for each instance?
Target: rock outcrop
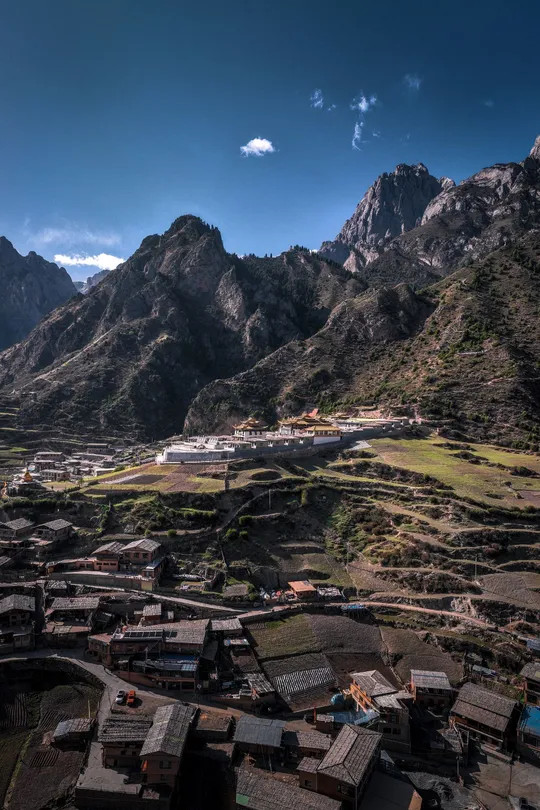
(31, 288)
(393, 204)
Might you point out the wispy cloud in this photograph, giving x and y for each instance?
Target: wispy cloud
(257, 147)
(363, 103)
(103, 260)
(376, 134)
(316, 99)
(331, 107)
(71, 234)
(412, 82)
(357, 135)
(489, 102)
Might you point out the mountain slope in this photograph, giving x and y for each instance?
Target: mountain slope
(465, 352)
(132, 353)
(31, 288)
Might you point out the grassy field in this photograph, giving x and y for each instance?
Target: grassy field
(469, 480)
(287, 637)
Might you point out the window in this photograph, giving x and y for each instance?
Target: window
(387, 730)
(308, 783)
(145, 556)
(345, 790)
(396, 731)
(164, 764)
(137, 555)
(164, 777)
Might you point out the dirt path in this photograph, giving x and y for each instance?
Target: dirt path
(432, 611)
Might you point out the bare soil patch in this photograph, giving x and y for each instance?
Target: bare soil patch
(340, 634)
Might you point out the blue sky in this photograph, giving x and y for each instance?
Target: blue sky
(120, 115)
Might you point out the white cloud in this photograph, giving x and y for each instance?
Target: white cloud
(489, 103)
(331, 107)
(72, 234)
(376, 134)
(412, 82)
(103, 260)
(363, 103)
(257, 147)
(357, 135)
(316, 99)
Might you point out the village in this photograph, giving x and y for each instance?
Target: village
(302, 694)
(293, 735)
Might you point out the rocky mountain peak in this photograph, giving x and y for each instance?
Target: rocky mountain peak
(394, 204)
(535, 151)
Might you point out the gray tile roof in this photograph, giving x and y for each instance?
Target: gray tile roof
(169, 730)
(259, 731)
(79, 725)
(56, 525)
(258, 791)
(76, 603)
(17, 602)
(307, 739)
(351, 754)
(114, 547)
(308, 764)
(18, 523)
(531, 670)
(146, 544)
(5, 561)
(484, 706)
(430, 679)
(372, 683)
(259, 683)
(224, 625)
(124, 729)
(187, 632)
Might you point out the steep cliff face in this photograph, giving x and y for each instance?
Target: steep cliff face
(393, 204)
(31, 288)
(458, 225)
(132, 353)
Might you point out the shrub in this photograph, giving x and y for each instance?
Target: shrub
(245, 520)
(244, 534)
(171, 533)
(231, 534)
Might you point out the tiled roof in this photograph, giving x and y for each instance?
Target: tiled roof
(17, 602)
(259, 731)
(18, 523)
(152, 609)
(257, 791)
(260, 684)
(79, 725)
(76, 603)
(56, 525)
(169, 730)
(142, 545)
(308, 764)
(307, 739)
(124, 729)
(351, 754)
(224, 625)
(188, 632)
(483, 706)
(531, 670)
(114, 547)
(372, 683)
(429, 679)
